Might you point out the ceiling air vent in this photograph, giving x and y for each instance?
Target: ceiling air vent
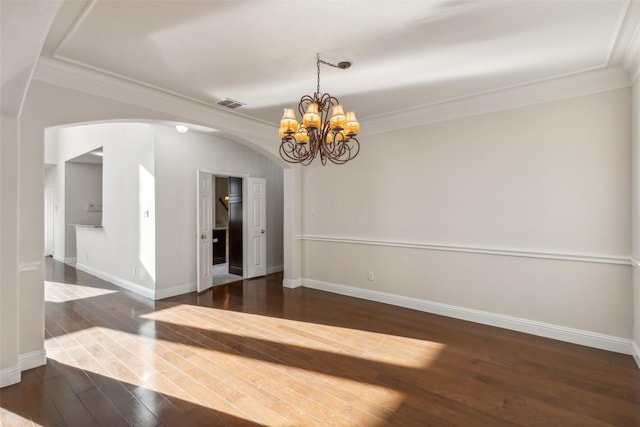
(230, 103)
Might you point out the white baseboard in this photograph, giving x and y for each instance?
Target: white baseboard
(561, 333)
(26, 361)
(636, 353)
(175, 290)
(33, 359)
(10, 376)
(57, 258)
(118, 281)
(275, 269)
(136, 288)
(292, 283)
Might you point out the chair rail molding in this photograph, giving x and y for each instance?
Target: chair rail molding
(579, 257)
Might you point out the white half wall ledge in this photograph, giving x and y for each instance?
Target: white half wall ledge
(10, 376)
(547, 330)
(594, 258)
(118, 281)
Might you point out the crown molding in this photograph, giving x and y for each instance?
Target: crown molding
(626, 51)
(246, 130)
(579, 84)
(258, 134)
(631, 59)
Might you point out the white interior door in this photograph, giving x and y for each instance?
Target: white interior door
(256, 227)
(205, 231)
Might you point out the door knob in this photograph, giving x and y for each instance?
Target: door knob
(203, 236)
(262, 231)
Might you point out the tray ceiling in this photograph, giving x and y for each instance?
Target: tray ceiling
(405, 54)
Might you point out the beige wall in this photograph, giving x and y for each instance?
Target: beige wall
(533, 188)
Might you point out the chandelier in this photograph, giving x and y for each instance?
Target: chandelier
(325, 131)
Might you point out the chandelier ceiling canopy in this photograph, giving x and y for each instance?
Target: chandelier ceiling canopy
(325, 131)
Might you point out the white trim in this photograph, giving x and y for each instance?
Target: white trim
(275, 269)
(615, 38)
(80, 78)
(33, 359)
(507, 98)
(57, 258)
(29, 266)
(605, 259)
(136, 288)
(292, 283)
(71, 261)
(97, 82)
(72, 30)
(118, 281)
(636, 353)
(631, 56)
(557, 332)
(10, 376)
(175, 290)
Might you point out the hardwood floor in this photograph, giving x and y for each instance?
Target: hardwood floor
(253, 353)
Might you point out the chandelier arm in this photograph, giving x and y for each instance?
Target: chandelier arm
(293, 152)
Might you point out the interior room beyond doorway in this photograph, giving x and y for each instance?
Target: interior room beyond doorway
(227, 201)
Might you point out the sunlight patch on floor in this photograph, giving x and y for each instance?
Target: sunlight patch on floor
(361, 344)
(211, 378)
(63, 292)
(8, 418)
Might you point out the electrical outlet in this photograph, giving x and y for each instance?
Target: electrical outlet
(370, 276)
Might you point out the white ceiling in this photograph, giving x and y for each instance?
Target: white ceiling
(405, 54)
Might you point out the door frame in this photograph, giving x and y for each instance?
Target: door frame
(245, 235)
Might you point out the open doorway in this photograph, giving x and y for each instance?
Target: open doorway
(245, 236)
(228, 230)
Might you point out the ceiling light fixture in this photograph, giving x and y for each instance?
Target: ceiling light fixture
(182, 128)
(332, 137)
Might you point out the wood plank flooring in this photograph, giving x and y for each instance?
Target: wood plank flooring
(253, 353)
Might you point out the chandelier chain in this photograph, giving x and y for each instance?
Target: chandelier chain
(318, 67)
(320, 61)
